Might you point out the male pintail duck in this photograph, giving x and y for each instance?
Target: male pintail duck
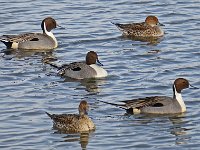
(82, 70)
(158, 104)
(74, 123)
(45, 40)
(149, 28)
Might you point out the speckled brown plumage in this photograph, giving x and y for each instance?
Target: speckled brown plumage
(73, 123)
(149, 28)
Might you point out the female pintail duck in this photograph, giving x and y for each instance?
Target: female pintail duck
(74, 123)
(149, 28)
(158, 104)
(45, 40)
(82, 70)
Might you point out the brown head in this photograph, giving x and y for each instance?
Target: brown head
(152, 21)
(181, 84)
(92, 58)
(83, 108)
(48, 23)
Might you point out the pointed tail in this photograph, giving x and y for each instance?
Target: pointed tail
(123, 106)
(47, 61)
(117, 24)
(6, 41)
(49, 114)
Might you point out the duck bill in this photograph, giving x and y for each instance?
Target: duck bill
(60, 27)
(193, 87)
(99, 63)
(160, 24)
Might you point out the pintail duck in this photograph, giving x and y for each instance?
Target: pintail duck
(74, 123)
(82, 70)
(158, 104)
(149, 28)
(45, 40)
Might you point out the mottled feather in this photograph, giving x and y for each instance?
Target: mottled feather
(149, 28)
(19, 38)
(73, 122)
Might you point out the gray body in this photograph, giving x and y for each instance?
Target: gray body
(156, 105)
(29, 41)
(77, 70)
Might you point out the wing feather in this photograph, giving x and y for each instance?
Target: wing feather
(19, 38)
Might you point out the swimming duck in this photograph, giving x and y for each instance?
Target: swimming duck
(74, 123)
(45, 40)
(82, 70)
(158, 104)
(150, 28)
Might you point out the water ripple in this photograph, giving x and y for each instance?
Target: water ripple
(136, 69)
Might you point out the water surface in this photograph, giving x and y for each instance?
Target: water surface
(136, 69)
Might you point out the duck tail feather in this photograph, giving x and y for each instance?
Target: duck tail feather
(123, 106)
(46, 61)
(49, 114)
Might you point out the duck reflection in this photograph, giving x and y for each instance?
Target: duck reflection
(177, 128)
(20, 53)
(82, 138)
(149, 40)
(91, 85)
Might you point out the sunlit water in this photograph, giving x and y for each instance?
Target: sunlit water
(28, 87)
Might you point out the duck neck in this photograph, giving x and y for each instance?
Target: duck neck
(50, 34)
(82, 113)
(179, 98)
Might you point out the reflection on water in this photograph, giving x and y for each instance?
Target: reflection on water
(148, 40)
(153, 51)
(179, 130)
(82, 138)
(19, 53)
(91, 85)
(177, 127)
(136, 67)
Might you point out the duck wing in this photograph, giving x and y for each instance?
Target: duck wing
(64, 118)
(155, 101)
(19, 38)
(131, 26)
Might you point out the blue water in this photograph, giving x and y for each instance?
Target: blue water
(136, 69)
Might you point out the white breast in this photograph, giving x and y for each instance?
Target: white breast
(99, 70)
(180, 100)
(51, 35)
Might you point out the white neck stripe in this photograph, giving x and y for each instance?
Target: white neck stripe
(179, 98)
(51, 35)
